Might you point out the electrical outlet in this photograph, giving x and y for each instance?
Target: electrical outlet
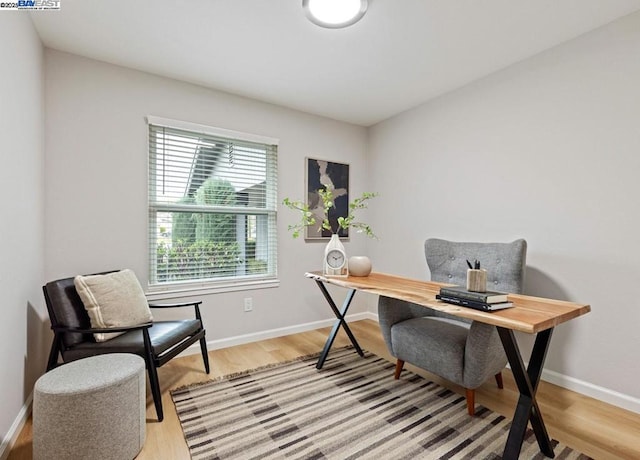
(248, 304)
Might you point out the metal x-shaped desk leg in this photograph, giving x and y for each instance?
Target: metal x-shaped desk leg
(340, 314)
(527, 381)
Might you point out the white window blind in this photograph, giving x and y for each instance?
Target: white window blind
(212, 206)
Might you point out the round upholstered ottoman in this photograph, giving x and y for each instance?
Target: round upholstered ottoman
(93, 408)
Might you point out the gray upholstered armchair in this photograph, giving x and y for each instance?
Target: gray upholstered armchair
(464, 352)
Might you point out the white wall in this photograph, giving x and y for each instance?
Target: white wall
(96, 189)
(548, 150)
(21, 208)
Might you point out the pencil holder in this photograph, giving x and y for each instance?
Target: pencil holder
(477, 280)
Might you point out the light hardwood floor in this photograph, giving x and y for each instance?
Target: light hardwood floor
(599, 430)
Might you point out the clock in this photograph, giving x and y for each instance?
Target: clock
(335, 262)
(336, 258)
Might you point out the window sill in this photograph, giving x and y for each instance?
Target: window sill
(155, 293)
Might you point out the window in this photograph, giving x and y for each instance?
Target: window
(212, 206)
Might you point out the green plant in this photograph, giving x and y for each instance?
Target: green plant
(217, 228)
(206, 259)
(184, 228)
(203, 245)
(326, 196)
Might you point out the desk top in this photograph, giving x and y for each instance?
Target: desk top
(529, 314)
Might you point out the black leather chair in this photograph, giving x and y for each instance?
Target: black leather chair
(156, 342)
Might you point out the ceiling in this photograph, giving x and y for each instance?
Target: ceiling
(401, 54)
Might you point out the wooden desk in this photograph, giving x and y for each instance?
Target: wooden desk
(533, 315)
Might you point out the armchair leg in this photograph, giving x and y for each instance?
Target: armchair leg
(471, 401)
(205, 353)
(155, 390)
(499, 380)
(153, 374)
(399, 366)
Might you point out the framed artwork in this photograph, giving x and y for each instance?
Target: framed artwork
(336, 176)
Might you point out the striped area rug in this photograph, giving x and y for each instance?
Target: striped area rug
(351, 409)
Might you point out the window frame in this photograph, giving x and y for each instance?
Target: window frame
(186, 288)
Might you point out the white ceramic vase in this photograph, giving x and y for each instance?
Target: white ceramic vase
(334, 243)
(359, 266)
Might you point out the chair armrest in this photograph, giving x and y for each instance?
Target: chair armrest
(195, 305)
(484, 354)
(174, 305)
(98, 330)
(392, 311)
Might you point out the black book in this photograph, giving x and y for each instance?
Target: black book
(472, 304)
(484, 297)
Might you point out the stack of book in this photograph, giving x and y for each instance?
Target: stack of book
(486, 301)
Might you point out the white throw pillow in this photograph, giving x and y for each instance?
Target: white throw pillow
(113, 300)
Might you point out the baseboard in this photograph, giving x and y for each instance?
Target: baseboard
(280, 332)
(594, 391)
(273, 333)
(15, 429)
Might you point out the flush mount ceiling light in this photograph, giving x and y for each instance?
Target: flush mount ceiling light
(334, 14)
